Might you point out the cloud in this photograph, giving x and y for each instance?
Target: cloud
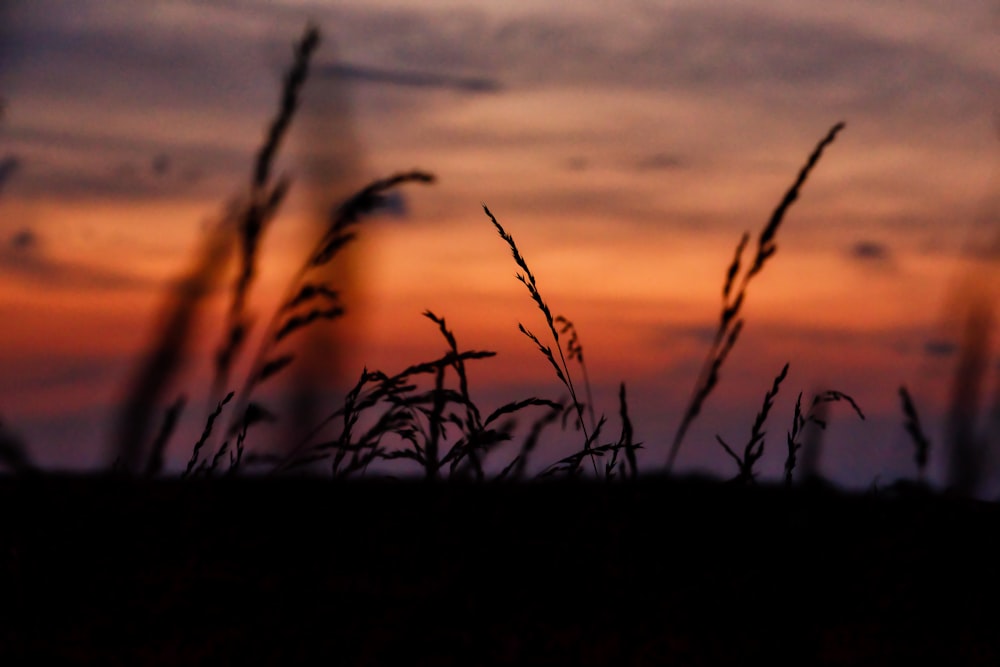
(983, 240)
(870, 251)
(940, 348)
(24, 240)
(660, 162)
(670, 333)
(44, 370)
(117, 83)
(408, 78)
(24, 256)
(150, 103)
(875, 256)
(984, 252)
(79, 163)
(124, 179)
(213, 71)
(770, 53)
(160, 164)
(109, 52)
(8, 166)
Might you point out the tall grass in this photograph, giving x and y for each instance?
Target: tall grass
(262, 201)
(921, 442)
(243, 223)
(734, 290)
(561, 367)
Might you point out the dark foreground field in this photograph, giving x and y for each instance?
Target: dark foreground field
(653, 573)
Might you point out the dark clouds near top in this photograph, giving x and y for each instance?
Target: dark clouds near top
(224, 59)
(639, 45)
(24, 257)
(642, 45)
(408, 78)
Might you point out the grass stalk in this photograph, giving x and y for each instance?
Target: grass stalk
(754, 449)
(920, 440)
(734, 295)
(260, 207)
(800, 420)
(561, 367)
(155, 463)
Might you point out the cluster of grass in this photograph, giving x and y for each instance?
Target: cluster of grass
(424, 413)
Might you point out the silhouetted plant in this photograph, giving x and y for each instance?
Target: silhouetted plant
(305, 301)
(754, 448)
(968, 456)
(730, 324)
(155, 463)
(416, 421)
(261, 205)
(561, 368)
(912, 425)
(625, 442)
(244, 222)
(574, 351)
(205, 435)
(13, 453)
(800, 419)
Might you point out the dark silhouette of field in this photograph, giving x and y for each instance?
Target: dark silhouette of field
(659, 571)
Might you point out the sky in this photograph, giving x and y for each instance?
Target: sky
(626, 148)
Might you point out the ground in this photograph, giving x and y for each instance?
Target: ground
(694, 572)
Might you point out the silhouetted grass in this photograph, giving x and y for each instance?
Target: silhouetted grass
(730, 324)
(209, 424)
(262, 203)
(307, 302)
(912, 425)
(244, 222)
(13, 453)
(800, 420)
(755, 445)
(155, 463)
(561, 368)
(968, 453)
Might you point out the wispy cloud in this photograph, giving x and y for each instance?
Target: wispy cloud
(24, 241)
(872, 254)
(772, 52)
(661, 161)
(940, 348)
(186, 77)
(80, 162)
(409, 78)
(8, 166)
(24, 257)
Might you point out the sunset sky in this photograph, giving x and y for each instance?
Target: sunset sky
(626, 146)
